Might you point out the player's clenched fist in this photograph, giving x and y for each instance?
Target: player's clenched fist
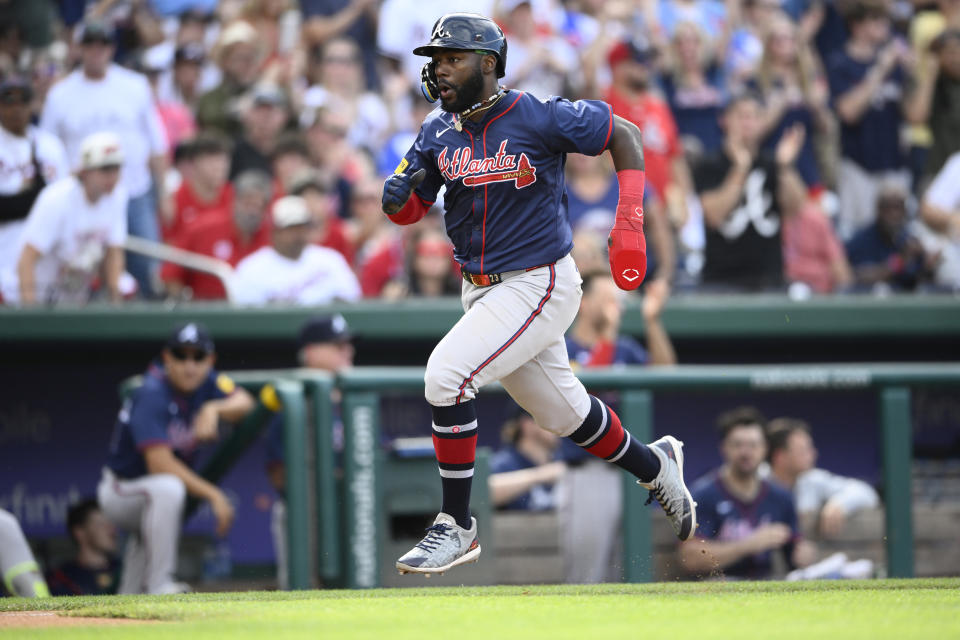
(397, 189)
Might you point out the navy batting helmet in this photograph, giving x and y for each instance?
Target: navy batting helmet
(468, 31)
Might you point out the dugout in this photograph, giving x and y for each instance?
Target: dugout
(60, 369)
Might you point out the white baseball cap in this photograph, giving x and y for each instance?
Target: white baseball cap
(101, 150)
(290, 211)
(239, 31)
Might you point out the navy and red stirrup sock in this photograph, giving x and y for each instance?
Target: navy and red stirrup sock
(602, 435)
(455, 442)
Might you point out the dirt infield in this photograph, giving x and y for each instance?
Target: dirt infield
(43, 619)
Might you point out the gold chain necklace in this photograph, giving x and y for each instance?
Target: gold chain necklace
(480, 107)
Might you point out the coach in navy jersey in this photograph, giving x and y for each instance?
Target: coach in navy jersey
(744, 518)
(148, 471)
(500, 155)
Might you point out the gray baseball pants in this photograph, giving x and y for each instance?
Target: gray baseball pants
(149, 509)
(513, 332)
(19, 569)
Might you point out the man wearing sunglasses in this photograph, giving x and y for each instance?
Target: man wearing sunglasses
(148, 472)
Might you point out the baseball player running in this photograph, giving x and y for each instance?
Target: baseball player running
(500, 154)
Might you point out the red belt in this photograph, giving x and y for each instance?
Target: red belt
(487, 279)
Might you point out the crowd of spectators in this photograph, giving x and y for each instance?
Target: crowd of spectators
(789, 144)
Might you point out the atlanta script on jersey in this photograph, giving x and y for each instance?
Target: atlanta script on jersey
(505, 206)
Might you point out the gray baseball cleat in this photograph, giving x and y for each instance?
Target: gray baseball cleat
(669, 490)
(445, 546)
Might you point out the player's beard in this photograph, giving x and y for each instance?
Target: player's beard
(467, 94)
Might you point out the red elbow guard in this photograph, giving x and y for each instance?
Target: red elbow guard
(412, 211)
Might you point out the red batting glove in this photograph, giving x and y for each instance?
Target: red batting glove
(627, 246)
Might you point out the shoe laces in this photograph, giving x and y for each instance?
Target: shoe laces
(657, 492)
(435, 535)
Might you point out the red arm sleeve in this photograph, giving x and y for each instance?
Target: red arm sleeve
(415, 208)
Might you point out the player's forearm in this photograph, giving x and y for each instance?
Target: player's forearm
(626, 145)
(507, 486)
(938, 219)
(319, 29)
(659, 345)
(26, 274)
(842, 273)
(112, 269)
(158, 172)
(791, 190)
(852, 105)
(718, 203)
(703, 556)
(235, 406)
(856, 495)
(660, 232)
(162, 460)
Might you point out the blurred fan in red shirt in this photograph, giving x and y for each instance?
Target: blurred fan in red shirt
(229, 235)
(322, 201)
(205, 191)
(631, 96)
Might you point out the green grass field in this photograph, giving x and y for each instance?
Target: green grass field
(899, 609)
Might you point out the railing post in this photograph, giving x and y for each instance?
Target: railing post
(361, 440)
(897, 479)
(290, 394)
(327, 500)
(636, 409)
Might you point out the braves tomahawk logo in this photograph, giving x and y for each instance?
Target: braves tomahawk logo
(501, 167)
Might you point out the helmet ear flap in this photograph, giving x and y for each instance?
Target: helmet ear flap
(428, 82)
(502, 60)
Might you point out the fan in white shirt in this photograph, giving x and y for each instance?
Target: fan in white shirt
(76, 227)
(29, 160)
(101, 96)
(940, 211)
(293, 271)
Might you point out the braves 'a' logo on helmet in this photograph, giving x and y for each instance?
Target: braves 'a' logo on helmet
(470, 32)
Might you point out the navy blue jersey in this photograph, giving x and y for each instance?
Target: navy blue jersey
(72, 579)
(724, 518)
(697, 111)
(156, 413)
(505, 205)
(873, 142)
(795, 113)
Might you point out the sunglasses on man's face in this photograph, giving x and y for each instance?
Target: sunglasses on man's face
(15, 98)
(183, 354)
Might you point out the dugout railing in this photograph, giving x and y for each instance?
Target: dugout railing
(361, 389)
(347, 541)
